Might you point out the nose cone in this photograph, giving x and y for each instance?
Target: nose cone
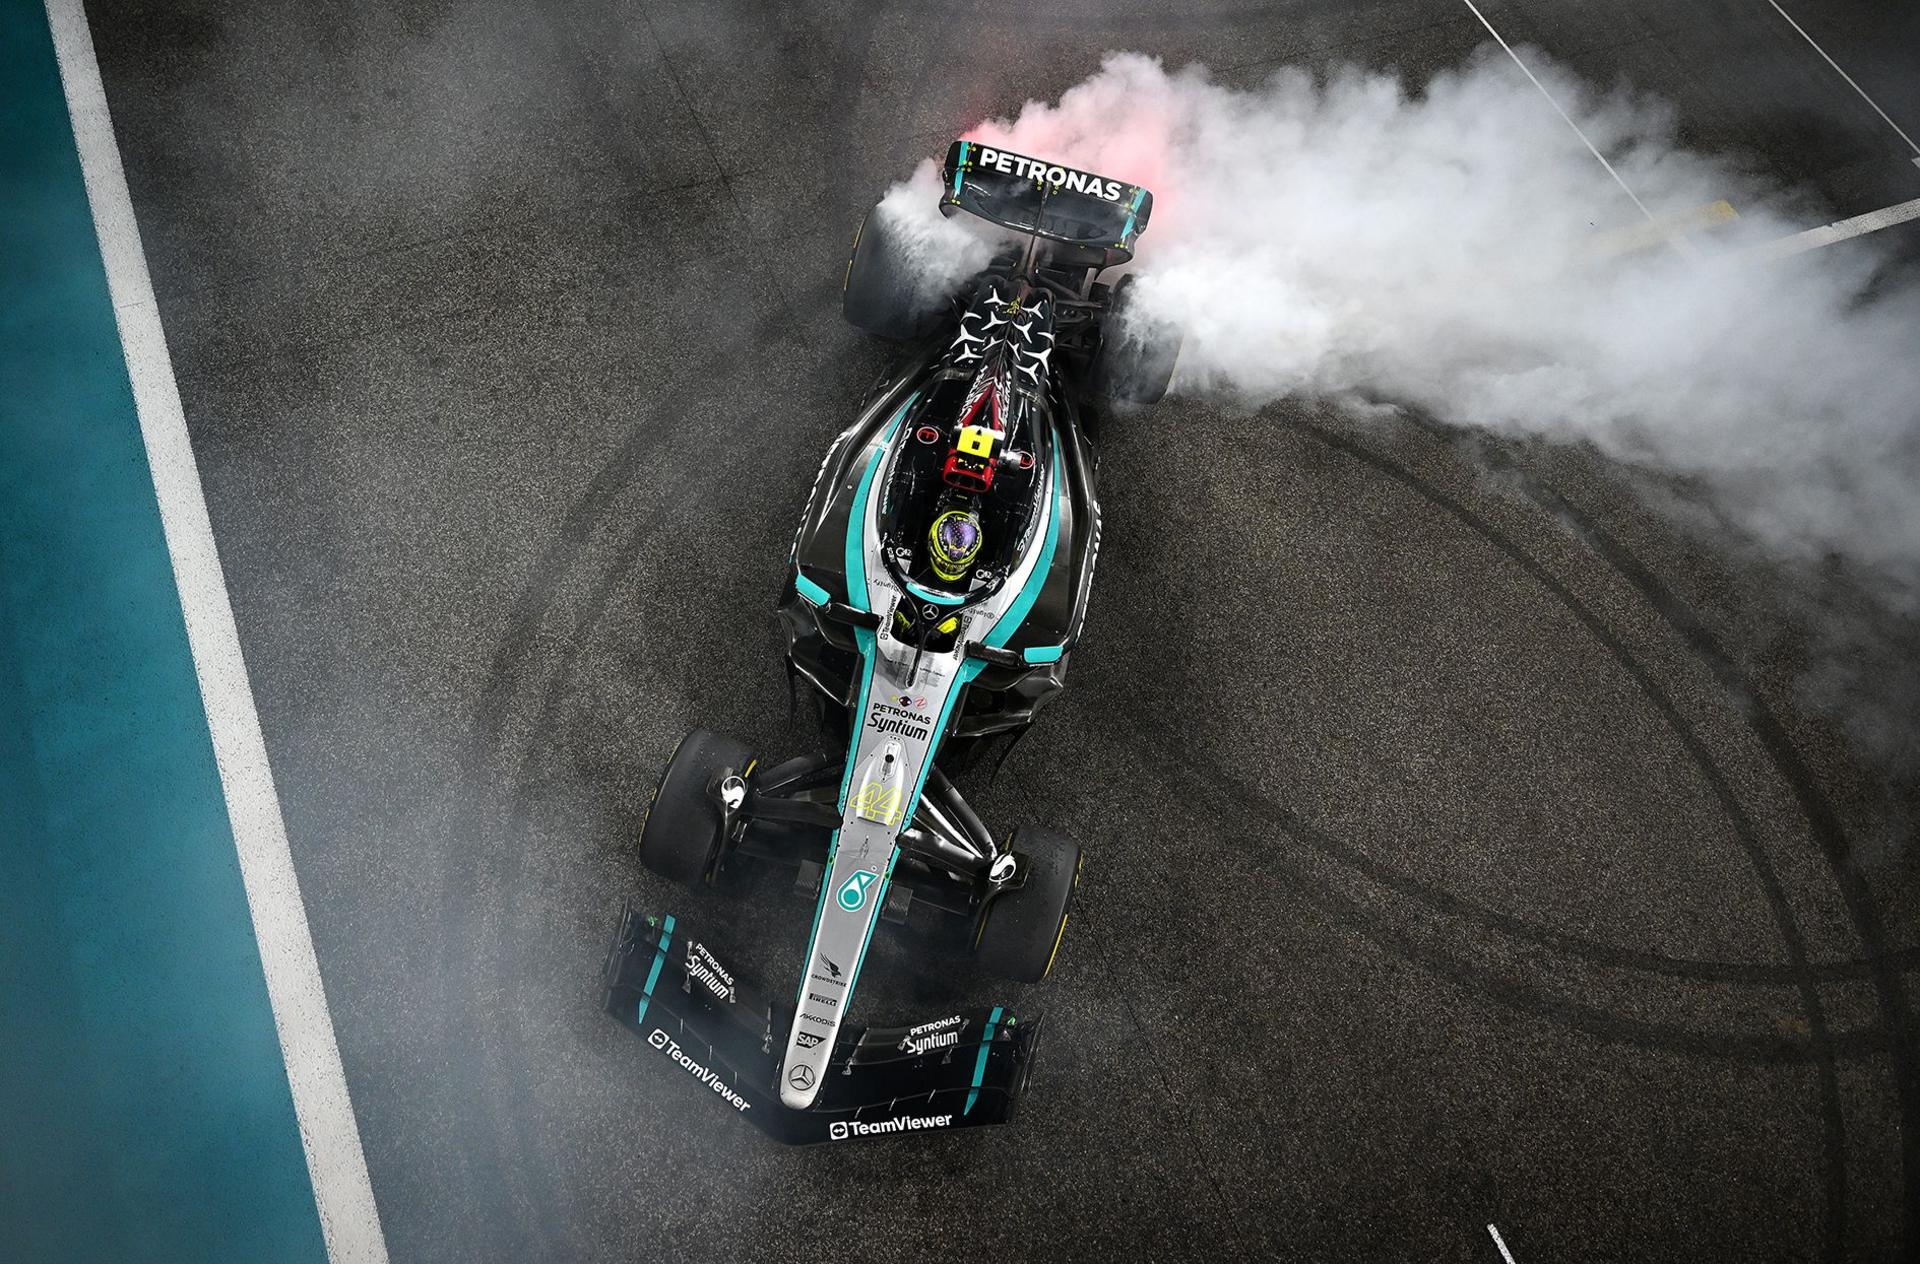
(799, 1084)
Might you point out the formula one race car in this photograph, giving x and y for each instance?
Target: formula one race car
(936, 589)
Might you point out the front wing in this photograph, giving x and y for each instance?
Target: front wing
(665, 980)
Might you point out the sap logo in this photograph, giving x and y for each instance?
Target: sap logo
(852, 895)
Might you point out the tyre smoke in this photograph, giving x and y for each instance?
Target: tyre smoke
(938, 253)
(1457, 249)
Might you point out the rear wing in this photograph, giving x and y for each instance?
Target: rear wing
(1031, 195)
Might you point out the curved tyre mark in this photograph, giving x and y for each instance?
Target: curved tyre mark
(501, 1052)
(1823, 822)
(1767, 1050)
(510, 1063)
(1774, 892)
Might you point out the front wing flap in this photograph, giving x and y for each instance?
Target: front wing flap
(666, 981)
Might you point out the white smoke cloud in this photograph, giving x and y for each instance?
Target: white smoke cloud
(1457, 249)
(939, 253)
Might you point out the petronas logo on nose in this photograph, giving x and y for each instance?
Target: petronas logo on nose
(853, 892)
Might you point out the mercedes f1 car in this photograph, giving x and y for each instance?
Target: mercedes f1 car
(935, 592)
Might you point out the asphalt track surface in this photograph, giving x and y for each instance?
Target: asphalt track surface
(1460, 851)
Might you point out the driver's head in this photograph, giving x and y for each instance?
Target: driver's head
(953, 542)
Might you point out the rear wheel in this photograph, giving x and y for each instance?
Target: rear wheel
(680, 835)
(881, 294)
(1020, 932)
(1137, 353)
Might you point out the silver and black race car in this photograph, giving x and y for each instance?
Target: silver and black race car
(936, 589)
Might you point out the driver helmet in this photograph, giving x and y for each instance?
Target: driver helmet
(953, 542)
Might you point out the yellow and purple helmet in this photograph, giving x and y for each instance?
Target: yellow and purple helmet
(953, 543)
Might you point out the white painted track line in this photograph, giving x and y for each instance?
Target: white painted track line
(349, 1221)
(1849, 78)
(1568, 120)
(1827, 235)
(1501, 1243)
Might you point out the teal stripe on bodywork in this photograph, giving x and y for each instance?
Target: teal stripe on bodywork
(1139, 195)
(960, 168)
(980, 1062)
(653, 975)
(810, 590)
(865, 640)
(857, 516)
(1003, 630)
(1017, 612)
(969, 669)
(868, 644)
(1043, 653)
(941, 599)
(856, 567)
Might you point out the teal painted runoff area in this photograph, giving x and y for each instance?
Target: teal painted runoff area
(144, 1108)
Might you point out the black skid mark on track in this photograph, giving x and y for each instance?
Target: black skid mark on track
(504, 869)
(1173, 618)
(854, 50)
(517, 1151)
(508, 875)
(1883, 966)
(1196, 1152)
(1823, 1044)
(649, 448)
(1263, 812)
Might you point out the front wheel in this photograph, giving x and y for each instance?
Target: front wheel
(1020, 931)
(680, 835)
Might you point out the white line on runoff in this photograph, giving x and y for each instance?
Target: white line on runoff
(1501, 1243)
(337, 1166)
(1828, 234)
(1849, 78)
(1678, 244)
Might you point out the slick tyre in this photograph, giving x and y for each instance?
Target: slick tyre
(881, 293)
(1137, 355)
(680, 834)
(1020, 932)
